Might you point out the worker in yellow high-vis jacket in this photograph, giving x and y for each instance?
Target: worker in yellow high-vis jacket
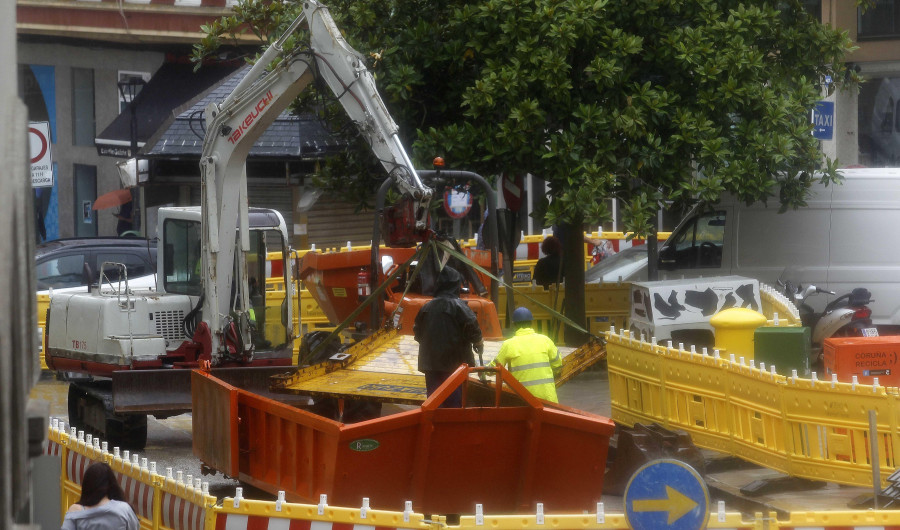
(531, 357)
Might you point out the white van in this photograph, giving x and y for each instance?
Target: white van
(844, 238)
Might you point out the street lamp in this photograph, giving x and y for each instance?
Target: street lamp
(129, 89)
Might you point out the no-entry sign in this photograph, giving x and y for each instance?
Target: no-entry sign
(41, 159)
(513, 191)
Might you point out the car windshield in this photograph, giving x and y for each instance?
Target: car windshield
(625, 265)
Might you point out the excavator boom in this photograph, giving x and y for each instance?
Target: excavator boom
(233, 127)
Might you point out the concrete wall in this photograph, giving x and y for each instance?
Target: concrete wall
(17, 306)
(106, 63)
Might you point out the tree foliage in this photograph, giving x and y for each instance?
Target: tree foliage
(641, 100)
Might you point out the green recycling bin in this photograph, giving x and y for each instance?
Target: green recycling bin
(786, 348)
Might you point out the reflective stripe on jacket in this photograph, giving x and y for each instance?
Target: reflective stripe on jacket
(534, 360)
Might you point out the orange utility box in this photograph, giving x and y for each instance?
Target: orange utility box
(864, 357)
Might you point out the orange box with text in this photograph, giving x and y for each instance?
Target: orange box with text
(864, 357)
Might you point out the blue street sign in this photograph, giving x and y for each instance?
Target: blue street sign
(666, 494)
(823, 120)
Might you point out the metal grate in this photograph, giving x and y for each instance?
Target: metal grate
(168, 324)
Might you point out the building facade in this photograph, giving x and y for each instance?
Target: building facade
(72, 56)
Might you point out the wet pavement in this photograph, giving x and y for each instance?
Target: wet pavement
(588, 391)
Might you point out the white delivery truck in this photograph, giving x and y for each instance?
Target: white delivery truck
(843, 239)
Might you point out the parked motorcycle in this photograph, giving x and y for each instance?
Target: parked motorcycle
(848, 315)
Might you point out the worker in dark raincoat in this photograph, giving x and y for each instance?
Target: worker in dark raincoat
(447, 331)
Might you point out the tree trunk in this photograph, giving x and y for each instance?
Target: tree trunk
(573, 253)
(653, 252)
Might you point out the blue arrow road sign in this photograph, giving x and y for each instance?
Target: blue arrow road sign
(823, 120)
(666, 494)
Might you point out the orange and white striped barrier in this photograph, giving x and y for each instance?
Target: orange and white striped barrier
(176, 502)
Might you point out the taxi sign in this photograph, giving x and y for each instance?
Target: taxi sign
(666, 494)
(823, 120)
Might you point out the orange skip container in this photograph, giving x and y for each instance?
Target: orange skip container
(507, 453)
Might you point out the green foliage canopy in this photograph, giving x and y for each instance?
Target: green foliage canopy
(641, 100)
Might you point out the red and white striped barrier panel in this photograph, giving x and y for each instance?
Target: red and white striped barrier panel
(234, 521)
(531, 250)
(180, 514)
(528, 251)
(53, 449)
(138, 494)
(76, 464)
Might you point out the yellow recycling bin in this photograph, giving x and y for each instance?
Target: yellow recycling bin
(734, 330)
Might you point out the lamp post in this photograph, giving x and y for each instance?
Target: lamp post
(129, 89)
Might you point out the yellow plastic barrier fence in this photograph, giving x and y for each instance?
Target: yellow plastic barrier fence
(605, 304)
(778, 309)
(164, 503)
(802, 427)
(241, 514)
(529, 250)
(600, 519)
(43, 302)
(182, 503)
(311, 318)
(822, 520)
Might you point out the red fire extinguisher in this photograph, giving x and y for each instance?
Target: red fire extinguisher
(362, 284)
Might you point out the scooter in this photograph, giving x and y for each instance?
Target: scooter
(846, 316)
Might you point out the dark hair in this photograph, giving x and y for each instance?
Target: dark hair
(551, 246)
(99, 481)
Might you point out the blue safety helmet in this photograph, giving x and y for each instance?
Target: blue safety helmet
(522, 314)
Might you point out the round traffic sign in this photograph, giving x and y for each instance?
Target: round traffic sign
(457, 204)
(37, 144)
(666, 494)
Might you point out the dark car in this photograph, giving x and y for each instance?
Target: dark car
(76, 262)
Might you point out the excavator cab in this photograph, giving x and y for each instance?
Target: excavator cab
(271, 323)
(267, 311)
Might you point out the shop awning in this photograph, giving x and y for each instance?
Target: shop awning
(171, 90)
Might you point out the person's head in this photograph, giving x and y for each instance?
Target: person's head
(551, 246)
(99, 481)
(449, 282)
(522, 317)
